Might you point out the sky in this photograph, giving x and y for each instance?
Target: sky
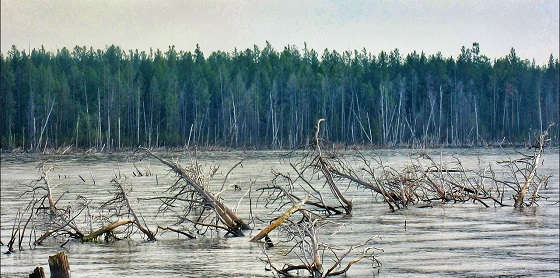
(531, 27)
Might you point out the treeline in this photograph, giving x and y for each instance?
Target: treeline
(264, 98)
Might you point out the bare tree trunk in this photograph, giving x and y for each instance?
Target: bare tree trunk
(476, 121)
(540, 109)
(109, 122)
(119, 127)
(107, 228)
(382, 116)
(77, 127)
(138, 116)
(87, 116)
(440, 114)
(42, 129)
(98, 120)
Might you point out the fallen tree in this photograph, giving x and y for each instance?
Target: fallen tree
(424, 181)
(303, 243)
(190, 190)
(309, 175)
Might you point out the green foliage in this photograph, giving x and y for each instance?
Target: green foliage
(266, 98)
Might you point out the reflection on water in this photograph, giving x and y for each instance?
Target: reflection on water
(447, 240)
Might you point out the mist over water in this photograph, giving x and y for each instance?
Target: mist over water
(455, 240)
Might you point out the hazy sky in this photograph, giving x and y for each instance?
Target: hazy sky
(530, 26)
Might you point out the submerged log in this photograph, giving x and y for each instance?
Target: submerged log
(106, 229)
(59, 266)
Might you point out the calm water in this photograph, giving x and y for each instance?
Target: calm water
(458, 241)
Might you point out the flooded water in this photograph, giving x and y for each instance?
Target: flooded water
(461, 240)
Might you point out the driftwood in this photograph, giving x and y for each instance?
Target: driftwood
(44, 218)
(414, 184)
(313, 173)
(175, 230)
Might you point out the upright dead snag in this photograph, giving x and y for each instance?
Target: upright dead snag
(38, 272)
(59, 266)
(188, 188)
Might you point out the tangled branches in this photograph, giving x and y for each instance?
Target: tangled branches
(199, 206)
(424, 180)
(311, 253)
(312, 173)
(120, 208)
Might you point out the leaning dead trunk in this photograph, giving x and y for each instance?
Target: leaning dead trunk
(324, 167)
(226, 216)
(534, 164)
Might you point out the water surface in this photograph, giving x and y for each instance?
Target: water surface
(461, 240)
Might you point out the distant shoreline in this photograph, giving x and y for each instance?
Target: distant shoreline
(69, 150)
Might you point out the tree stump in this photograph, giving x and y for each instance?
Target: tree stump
(59, 266)
(38, 273)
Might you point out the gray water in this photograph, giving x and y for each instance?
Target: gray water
(460, 240)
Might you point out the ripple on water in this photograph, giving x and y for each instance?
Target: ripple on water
(457, 241)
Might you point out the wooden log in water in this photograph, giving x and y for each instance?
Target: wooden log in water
(39, 272)
(59, 266)
(107, 228)
(278, 221)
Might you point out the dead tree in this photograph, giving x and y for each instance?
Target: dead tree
(53, 221)
(423, 180)
(200, 208)
(278, 221)
(309, 175)
(121, 209)
(303, 242)
(321, 163)
(43, 216)
(523, 174)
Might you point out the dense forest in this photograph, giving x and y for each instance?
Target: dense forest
(264, 98)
